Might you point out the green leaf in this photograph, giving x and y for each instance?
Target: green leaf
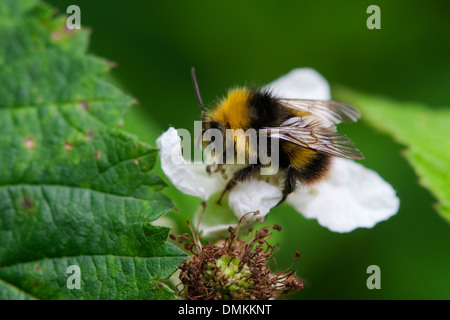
(74, 188)
(423, 130)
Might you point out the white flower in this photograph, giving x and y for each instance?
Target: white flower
(301, 83)
(193, 180)
(350, 197)
(253, 195)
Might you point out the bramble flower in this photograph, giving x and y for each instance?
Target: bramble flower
(350, 197)
(237, 269)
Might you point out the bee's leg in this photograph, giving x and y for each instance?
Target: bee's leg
(209, 168)
(289, 184)
(218, 167)
(240, 175)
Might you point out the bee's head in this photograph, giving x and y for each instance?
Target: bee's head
(212, 124)
(213, 132)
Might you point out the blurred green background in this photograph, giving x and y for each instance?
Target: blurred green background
(253, 42)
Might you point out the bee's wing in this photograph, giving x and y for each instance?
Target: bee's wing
(317, 129)
(329, 112)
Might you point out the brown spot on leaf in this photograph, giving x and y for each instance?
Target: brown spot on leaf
(89, 135)
(68, 146)
(98, 155)
(136, 161)
(85, 105)
(27, 203)
(29, 143)
(56, 35)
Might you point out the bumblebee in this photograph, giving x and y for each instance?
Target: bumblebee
(305, 129)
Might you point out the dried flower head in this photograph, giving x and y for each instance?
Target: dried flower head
(237, 269)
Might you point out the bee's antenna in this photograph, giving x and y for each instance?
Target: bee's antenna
(200, 102)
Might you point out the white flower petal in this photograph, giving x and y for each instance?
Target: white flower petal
(301, 83)
(188, 178)
(253, 195)
(351, 197)
(219, 231)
